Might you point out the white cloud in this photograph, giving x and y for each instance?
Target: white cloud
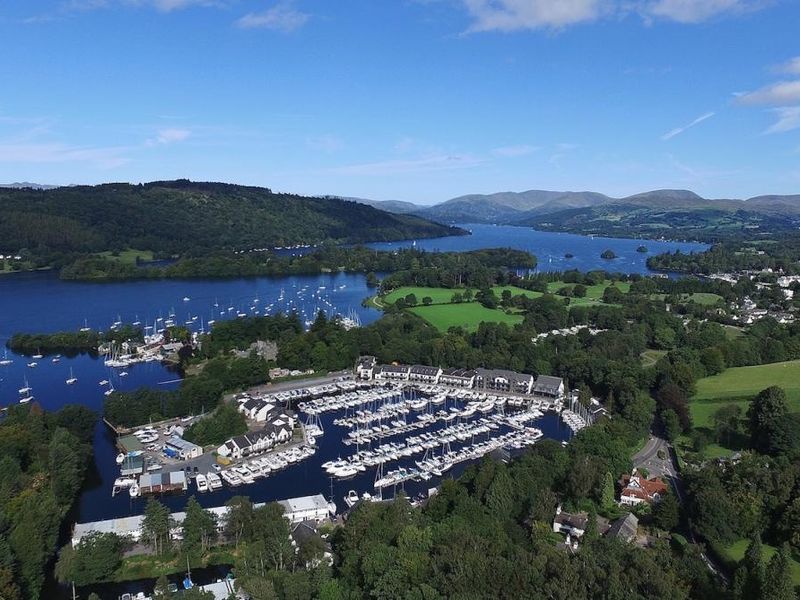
(777, 94)
(444, 162)
(514, 151)
(165, 137)
(515, 15)
(788, 119)
(679, 130)
(518, 15)
(697, 11)
(281, 17)
(325, 143)
(790, 67)
(56, 152)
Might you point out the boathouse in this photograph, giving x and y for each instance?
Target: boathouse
(157, 483)
(306, 508)
(181, 448)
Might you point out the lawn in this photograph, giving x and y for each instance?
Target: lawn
(467, 315)
(651, 357)
(129, 256)
(701, 298)
(444, 295)
(738, 385)
(733, 553)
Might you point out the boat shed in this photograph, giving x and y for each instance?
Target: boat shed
(306, 508)
(155, 483)
(129, 443)
(185, 450)
(132, 465)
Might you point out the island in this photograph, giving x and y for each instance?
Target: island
(642, 249)
(608, 254)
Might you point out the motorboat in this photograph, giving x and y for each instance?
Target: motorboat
(133, 490)
(351, 498)
(201, 482)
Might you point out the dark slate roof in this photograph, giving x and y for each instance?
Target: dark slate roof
(242, 441)
(464, 373)
(367, 361)
(424, 370)
(394, 368)
(547, 383)
(303, 531)
(253, 403)
(625, 528)
(511, 376)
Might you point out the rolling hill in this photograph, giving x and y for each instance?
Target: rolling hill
(188, 218)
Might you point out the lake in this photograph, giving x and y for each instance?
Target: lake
(40, 302)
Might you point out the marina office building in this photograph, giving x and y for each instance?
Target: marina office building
(307, 508)
(490, 380)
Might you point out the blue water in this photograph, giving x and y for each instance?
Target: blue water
(550, 247)
(40, 302)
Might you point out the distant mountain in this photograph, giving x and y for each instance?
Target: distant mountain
(189, 219)
(507, 207)
(398, 207)
(27, 185)
(676, 214)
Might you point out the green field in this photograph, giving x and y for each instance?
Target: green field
(129, 256)
(467, 315)
(651, 357)
(738, 385)
(735, 552)
(444, 295)
(701, 298)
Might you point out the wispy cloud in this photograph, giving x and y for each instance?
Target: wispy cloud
(165, 137)
(697, 11)
(679, 130)
(788, 119)
(776, 94)
(325, 143)
(514, 151)
(56, 152)
(790, 67)
(445, 162)
(516, 15)
(519, 15)
(281, 17)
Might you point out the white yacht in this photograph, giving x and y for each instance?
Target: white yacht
(201, 482)
(72, 379)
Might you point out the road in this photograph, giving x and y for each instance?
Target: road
(648, 458)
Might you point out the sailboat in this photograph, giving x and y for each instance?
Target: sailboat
(86, 327)
(6, 361)
(110, 390)
(38, 354)
(72, 379)
(26, 393)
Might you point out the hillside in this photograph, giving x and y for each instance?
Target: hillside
(187, 218)
(399, 207)
(507, 207)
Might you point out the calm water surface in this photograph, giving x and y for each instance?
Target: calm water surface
(40, 302)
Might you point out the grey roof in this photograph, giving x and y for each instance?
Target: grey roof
(367, 361)
(625, 528)
(547, 383)
(242, 442)
(304, 503)
(424, 370)
(181, 444)
(511, 376)
(394, 368)
(464, 373)
(253, 403)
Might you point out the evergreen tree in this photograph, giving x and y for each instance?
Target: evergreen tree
(779, 585)
(754, 563)
(607, 493)
(199, 529)
(156, 526)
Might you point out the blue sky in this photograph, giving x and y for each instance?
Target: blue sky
(417, 100)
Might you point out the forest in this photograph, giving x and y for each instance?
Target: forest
(43, 459)
(182, 218)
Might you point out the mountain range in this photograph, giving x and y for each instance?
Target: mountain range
(656, 213)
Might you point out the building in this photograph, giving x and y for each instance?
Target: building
(574, 524)
(157, 483)
(424, 374)
(316, 507)
(181, 448)
(637, 489)
(463, 378)
(132, 465)
(307, 508)
(551, 387)
(392, 372)
(255, 442)
(365, 367)
(625, 529)
(501, 380)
